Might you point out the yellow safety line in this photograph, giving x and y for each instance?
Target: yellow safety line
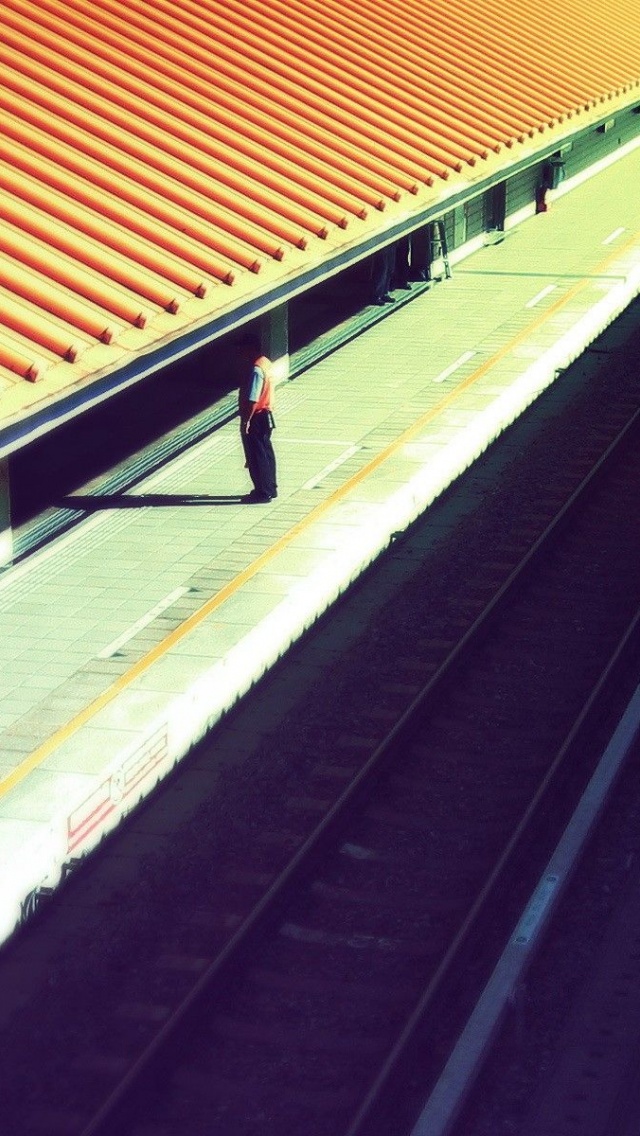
(61, 735)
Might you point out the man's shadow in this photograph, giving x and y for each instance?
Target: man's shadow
(91, 504)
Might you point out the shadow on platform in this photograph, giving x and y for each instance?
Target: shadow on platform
(91, 504)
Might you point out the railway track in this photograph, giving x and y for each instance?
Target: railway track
(375, 936)
(381, 848)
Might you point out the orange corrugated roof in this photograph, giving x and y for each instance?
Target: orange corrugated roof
(163, 160)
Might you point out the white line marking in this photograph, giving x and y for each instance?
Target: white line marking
(311, 484)
(144, 620)
(613, 236)
(454, 366)
(541, 295)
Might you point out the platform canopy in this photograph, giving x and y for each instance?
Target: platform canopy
(171, 167)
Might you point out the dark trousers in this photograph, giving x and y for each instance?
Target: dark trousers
(421, 254)
(258, 451)
(381, 271)
(402, 267)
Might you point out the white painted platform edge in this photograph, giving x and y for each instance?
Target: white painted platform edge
(451, 1090)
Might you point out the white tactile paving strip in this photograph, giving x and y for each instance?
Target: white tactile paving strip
(125, 640)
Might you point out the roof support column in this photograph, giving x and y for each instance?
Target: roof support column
(275, 339)
(6, 534)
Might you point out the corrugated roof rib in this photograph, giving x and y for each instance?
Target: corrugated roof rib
(162, 158)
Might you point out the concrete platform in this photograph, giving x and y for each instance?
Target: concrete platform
(124, 641)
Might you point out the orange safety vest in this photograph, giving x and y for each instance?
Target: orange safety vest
(265, 399)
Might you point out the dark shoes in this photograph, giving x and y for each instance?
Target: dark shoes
(255, 497)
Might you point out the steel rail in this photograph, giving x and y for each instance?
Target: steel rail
(266, 908)
(631, 633)
(432, 989)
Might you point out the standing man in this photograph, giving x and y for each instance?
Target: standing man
(255, 403)
(382, 263)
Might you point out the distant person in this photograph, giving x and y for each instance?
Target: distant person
(402, 265)
(382, 266)
(542, 189)
(255, 403)
(421, 241)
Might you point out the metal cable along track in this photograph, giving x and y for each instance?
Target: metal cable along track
(331, 829)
